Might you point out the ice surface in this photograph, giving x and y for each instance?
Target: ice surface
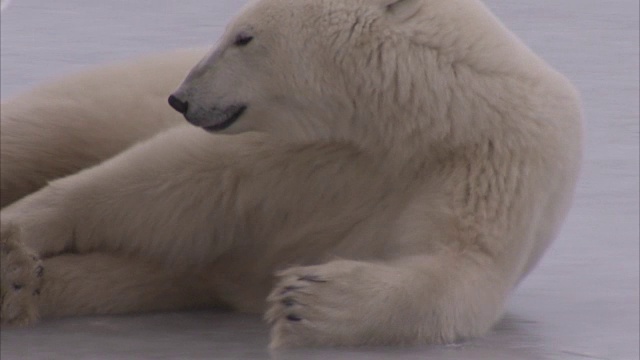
(581, 302)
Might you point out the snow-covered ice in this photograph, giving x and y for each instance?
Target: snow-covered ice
(582, 301)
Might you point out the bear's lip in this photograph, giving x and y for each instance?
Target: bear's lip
(233, 114)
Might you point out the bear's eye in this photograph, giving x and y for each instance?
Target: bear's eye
(242, 39)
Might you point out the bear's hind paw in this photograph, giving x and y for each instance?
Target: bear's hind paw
(21, 273)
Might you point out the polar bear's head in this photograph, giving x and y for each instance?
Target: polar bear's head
(339, 69)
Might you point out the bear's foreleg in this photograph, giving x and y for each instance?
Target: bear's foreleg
(438, 298)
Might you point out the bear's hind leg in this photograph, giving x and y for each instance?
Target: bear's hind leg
(99, 283)
(62, 127)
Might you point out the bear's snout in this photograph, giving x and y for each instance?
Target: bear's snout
(179, 105)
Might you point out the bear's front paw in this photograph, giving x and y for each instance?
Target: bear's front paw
(20, 279)
(338, 303)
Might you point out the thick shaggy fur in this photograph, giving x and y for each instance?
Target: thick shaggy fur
(399, 167)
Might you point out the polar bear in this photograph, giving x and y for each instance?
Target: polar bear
(363, 172)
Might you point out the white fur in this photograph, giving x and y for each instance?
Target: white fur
(401, 165)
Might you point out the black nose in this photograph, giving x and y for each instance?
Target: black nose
(179, 105)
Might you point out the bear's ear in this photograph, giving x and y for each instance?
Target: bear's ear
(401, 10)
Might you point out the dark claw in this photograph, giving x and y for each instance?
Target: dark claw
(288, 302)
(39, 271)
(16, 286)
(295, 318)
(312, 278)
(289, 288)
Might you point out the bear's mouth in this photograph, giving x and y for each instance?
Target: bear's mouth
(232, 115)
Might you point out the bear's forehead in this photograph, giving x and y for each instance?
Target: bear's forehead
(303, 12)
